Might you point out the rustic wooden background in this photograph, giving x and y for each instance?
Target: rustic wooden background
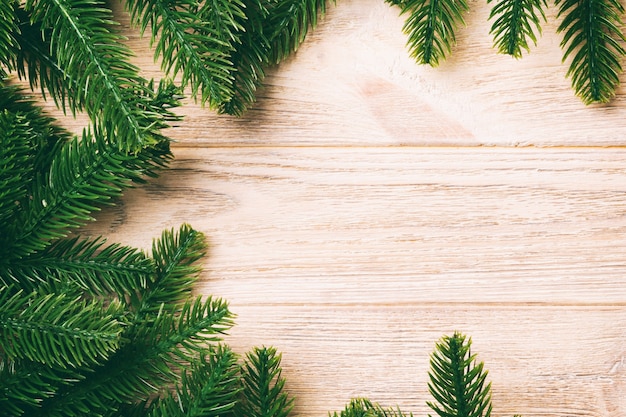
(366, 206)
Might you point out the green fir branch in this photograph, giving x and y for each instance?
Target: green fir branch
(24, 385)
(457, 382)
(40, 132)
(21, 387)
(95, 268)
(592, 32)
(188, 333)
(516, 21)
(363, 407)
(250, 59)
(288, 24)
(15, 158)
(273, 29)
(34, 62)
(84, 175)
(431, 27)
(8, 31)
(82, 41)
(263, 386)
(209, 388)
(60, 181)
(174, 255)
(149, 359)
(194, 41)
(57, 330)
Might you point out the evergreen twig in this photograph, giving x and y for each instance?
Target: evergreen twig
(431, 27)
(263, 394)
(363, 407)
(457, 383)
(592, 36)
(516, 22)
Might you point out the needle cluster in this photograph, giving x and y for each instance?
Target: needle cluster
(593, 36)
(457, 382)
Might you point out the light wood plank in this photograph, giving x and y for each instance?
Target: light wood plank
(394, 225)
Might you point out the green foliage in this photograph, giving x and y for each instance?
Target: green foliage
(57, 329)
(88, 264)
(271, 30)
(194, 40)
(61, 192)
(592, 34)
(211, 387)
(221, 49)
(516, 22)
(8, 29)
(263, 386)
(457, 382)
(363, 407)
(288, 25)
(78, 41)
(90, 328)
(431, 27)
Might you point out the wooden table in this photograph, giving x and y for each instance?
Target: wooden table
(366, 206)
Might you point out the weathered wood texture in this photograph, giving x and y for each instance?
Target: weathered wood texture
(355, 216)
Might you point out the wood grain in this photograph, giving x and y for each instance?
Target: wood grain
(354, 261)
(366, 205)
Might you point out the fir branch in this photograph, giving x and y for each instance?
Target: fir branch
(84, 175)
(272, 30)
(399, 3)
(517, 21)
(457, 382)
(34, 61)
(263, 394)
(362, 407)
(8, 29)
(80, 38)
(25, 384)
(90, 265)
(592, 34)
(43, 135)
(57, 330)
(175, 255)
(194, 41)
(20, 388)
(15, 158)
(147, 362)
(222, 48)
(209, 388)
(431, 27)
(187, 334)
(249, 59)
(289, 22)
